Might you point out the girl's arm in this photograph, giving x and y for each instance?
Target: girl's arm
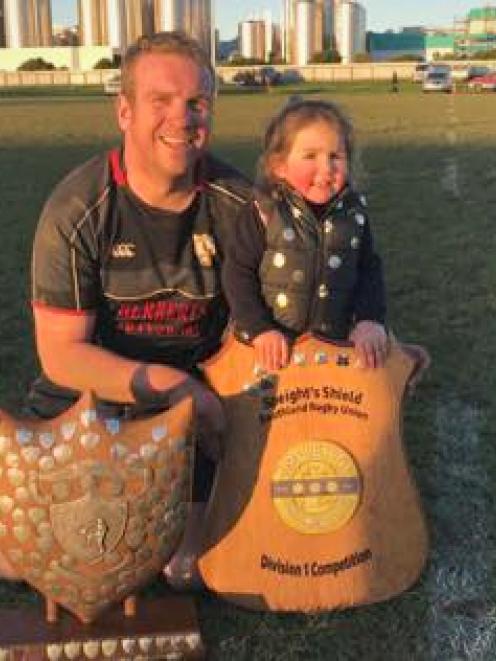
(370, 294)
(369, 334)
(240, 276)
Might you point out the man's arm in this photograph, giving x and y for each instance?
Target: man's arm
(69, 359)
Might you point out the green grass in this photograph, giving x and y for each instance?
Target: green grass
(436, 234)
(39, 91)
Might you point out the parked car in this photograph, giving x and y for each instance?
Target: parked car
(246, 79)
(477, 70)
(486, 82)
(270, 76)
(419, 72)
(437, 80)
(112, 85)
(465, 72)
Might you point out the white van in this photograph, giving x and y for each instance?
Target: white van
(438, 79)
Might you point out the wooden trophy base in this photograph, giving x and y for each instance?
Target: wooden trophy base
(165, 628)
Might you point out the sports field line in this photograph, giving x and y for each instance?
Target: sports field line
(450, 178)
(462, 619)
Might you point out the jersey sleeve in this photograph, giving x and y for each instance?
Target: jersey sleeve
(64, 269)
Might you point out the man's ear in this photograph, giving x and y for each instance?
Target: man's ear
(124, 112)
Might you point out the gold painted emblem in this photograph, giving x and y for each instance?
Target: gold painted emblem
(204, 246)
(316, 487)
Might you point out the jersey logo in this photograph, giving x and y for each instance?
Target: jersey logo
(204, 247)
(123, 250)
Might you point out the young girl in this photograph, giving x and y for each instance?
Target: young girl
(302, 258)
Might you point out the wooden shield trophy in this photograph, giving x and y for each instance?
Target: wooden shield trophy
(314, 507)
(90, 510)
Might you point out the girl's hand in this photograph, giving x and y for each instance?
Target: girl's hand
(371, 343)
(271, 350)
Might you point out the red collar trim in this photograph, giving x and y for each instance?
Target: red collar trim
(118, 174)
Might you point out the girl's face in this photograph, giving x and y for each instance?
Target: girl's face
(316, 164)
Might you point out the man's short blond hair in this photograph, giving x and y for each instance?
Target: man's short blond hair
(175, 42)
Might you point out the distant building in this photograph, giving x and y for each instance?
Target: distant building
(384, 46)
(199, 23)
(259, 38)
(269, 36)
(482, 21)
(252, 39)
(26, 23)
(477, 33)
(304, 32)
(138, 19)
(3, 42)
(439, 44)
(169, 15)
(195, 17)
(351, 22)
(92, 21)
(316, 19)
(228, 49)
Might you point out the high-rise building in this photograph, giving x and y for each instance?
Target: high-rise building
(352, 30)
(115, 23)
(92, 21)
(27, 23)
(327, 9)
(252, 39)
(3, 41)
(199, 22)
(299, 36)
(269, 35)
(40, 23)
(169, 15)
(318, 26)
(118, 23)
(288, 45)
(139, 19)
(304, 32)
(195, 17)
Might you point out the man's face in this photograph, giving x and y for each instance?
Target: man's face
(166, 123)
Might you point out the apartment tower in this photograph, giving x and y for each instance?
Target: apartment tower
(26, 23)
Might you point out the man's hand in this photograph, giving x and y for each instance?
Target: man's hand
(271, 350)
(210, 418)
(371, 343)
(209, 411)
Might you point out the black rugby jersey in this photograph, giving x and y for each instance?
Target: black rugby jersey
(152, 277)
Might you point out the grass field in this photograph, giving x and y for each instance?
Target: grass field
(428, 165)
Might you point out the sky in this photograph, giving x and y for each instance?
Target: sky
(381, 14)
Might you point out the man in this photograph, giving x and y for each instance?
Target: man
(126, 282)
